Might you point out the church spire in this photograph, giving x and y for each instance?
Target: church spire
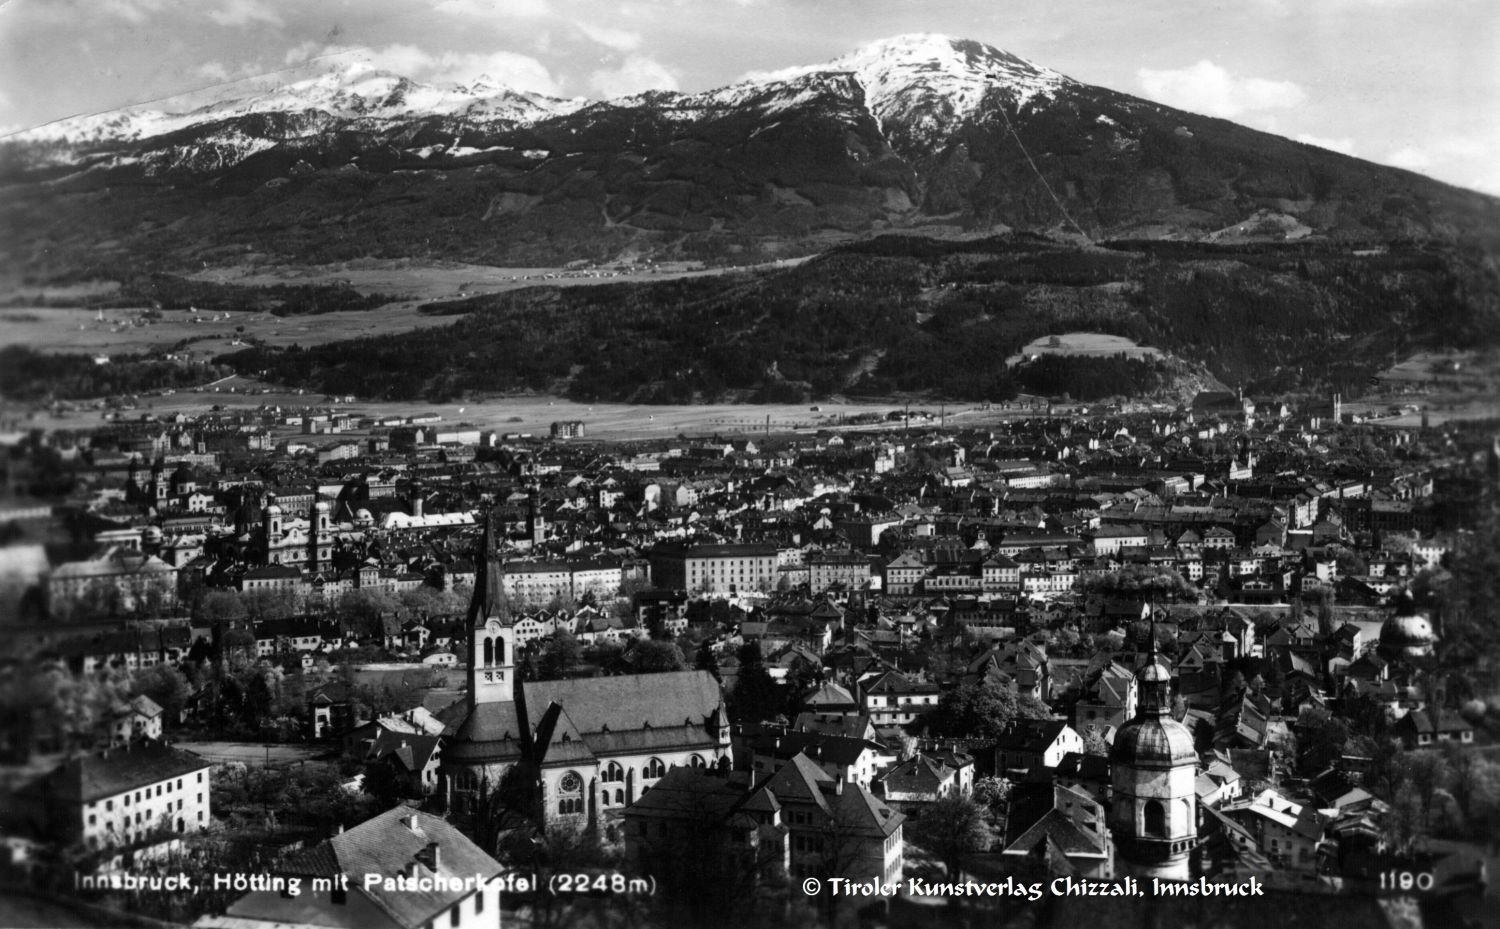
(489, 586)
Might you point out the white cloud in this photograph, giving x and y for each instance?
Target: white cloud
(241, 12)
(1411, 158)
(303, 51)
(1208, 89)
(214, 71)
(1343, 146)
(635, 74)
(495, 9)
(1460, 159)
(519, 71)
(779, 74)
(133, 11)
(621, 40)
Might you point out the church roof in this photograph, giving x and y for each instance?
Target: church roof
(560, 741)
(487, 733)
(631, 702)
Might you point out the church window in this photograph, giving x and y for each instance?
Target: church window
(655, 769)
(570, 794)
(1155, 818)
(613, 772)
(489, 652)
(696, 761)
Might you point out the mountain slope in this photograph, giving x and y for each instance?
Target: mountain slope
(918, 133)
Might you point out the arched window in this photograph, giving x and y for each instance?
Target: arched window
(655, 769)
(696, 761)
(499, 651)
(489, 652)
(620, 797)
(613, 772)
(1155, 818)
(569, 793)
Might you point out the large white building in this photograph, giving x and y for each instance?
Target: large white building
(118, 581)
(713, 568)
(125, 794)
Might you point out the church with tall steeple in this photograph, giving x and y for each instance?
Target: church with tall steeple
(1153, 771)
(580, 750)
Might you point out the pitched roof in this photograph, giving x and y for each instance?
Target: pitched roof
(391, 844)
(629, 702)
(114, 771)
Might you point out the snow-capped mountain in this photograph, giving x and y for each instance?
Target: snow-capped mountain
(351, 93)
(910, 133)
(919, 85)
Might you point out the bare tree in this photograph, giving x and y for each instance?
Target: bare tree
(952, 828)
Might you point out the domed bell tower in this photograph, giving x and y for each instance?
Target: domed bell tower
(1153, 769)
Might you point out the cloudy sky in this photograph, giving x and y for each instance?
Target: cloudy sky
(1412, 83)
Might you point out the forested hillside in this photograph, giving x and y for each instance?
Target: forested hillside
(921, 315)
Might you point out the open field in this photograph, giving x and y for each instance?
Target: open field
(254, 754)
(124, 331)
(127, 331)
(451, 280)
(534, 414)
(1084, 343)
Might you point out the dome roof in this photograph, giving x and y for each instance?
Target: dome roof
(1155, 671)
(1153, 740)
(1408, 633)
(273, 510)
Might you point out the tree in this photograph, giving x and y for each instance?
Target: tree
(166, 686)
(707, 660)
(360, 611)
(981, 709)
(560, 656)
(1324, 737)
(952, 828)
(756, 697)
(993, 793)
(269, 604)
(1426, 771)
(655, 657)
(219, 604)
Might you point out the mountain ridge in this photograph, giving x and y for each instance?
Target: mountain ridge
(917, 133)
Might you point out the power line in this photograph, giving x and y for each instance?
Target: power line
(1039, 176)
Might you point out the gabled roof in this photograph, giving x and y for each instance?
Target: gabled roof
(114, 771)
(799, 781)
(392, 843)
(918, 774)
(628, 702)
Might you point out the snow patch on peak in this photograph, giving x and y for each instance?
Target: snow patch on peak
(356, 91)
(923, 83)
